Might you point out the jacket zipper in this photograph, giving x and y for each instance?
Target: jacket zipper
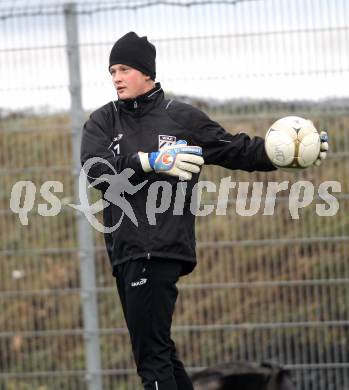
(135, 106)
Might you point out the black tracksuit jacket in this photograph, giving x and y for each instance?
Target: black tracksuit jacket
(144, 124)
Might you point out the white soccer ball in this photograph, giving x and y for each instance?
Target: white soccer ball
(292, 142)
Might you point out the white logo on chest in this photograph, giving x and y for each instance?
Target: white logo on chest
(166, 140)
(115, 146)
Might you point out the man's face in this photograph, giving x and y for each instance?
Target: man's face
(129, 82)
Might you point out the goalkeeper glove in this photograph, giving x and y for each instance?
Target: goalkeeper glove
(323, 148)
(178, 160)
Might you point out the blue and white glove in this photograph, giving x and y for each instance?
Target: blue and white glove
(178, 160)
(323, 148)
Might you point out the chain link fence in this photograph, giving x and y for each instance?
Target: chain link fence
(267, 287)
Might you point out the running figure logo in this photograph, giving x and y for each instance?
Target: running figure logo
(119, 185)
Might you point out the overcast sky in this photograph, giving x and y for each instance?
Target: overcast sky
(284, 49)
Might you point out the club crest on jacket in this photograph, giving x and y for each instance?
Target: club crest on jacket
(166, 140)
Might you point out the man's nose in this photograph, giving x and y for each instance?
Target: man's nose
(117, 77)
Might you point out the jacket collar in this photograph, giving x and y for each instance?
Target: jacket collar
(143, 103)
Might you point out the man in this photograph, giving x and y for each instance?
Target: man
(160, 140)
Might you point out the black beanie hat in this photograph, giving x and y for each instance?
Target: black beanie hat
(136, 52)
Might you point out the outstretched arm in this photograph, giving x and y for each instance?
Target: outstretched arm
(237, 151)
(219, 147)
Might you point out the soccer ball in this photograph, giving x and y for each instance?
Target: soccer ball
(292, 142)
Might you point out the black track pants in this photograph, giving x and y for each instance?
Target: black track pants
(148, 293)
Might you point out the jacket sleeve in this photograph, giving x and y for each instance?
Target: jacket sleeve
(237, 151)
(96, 141)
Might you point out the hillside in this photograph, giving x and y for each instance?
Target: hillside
(266, 287)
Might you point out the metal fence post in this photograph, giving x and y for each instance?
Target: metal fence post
(85, 236)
